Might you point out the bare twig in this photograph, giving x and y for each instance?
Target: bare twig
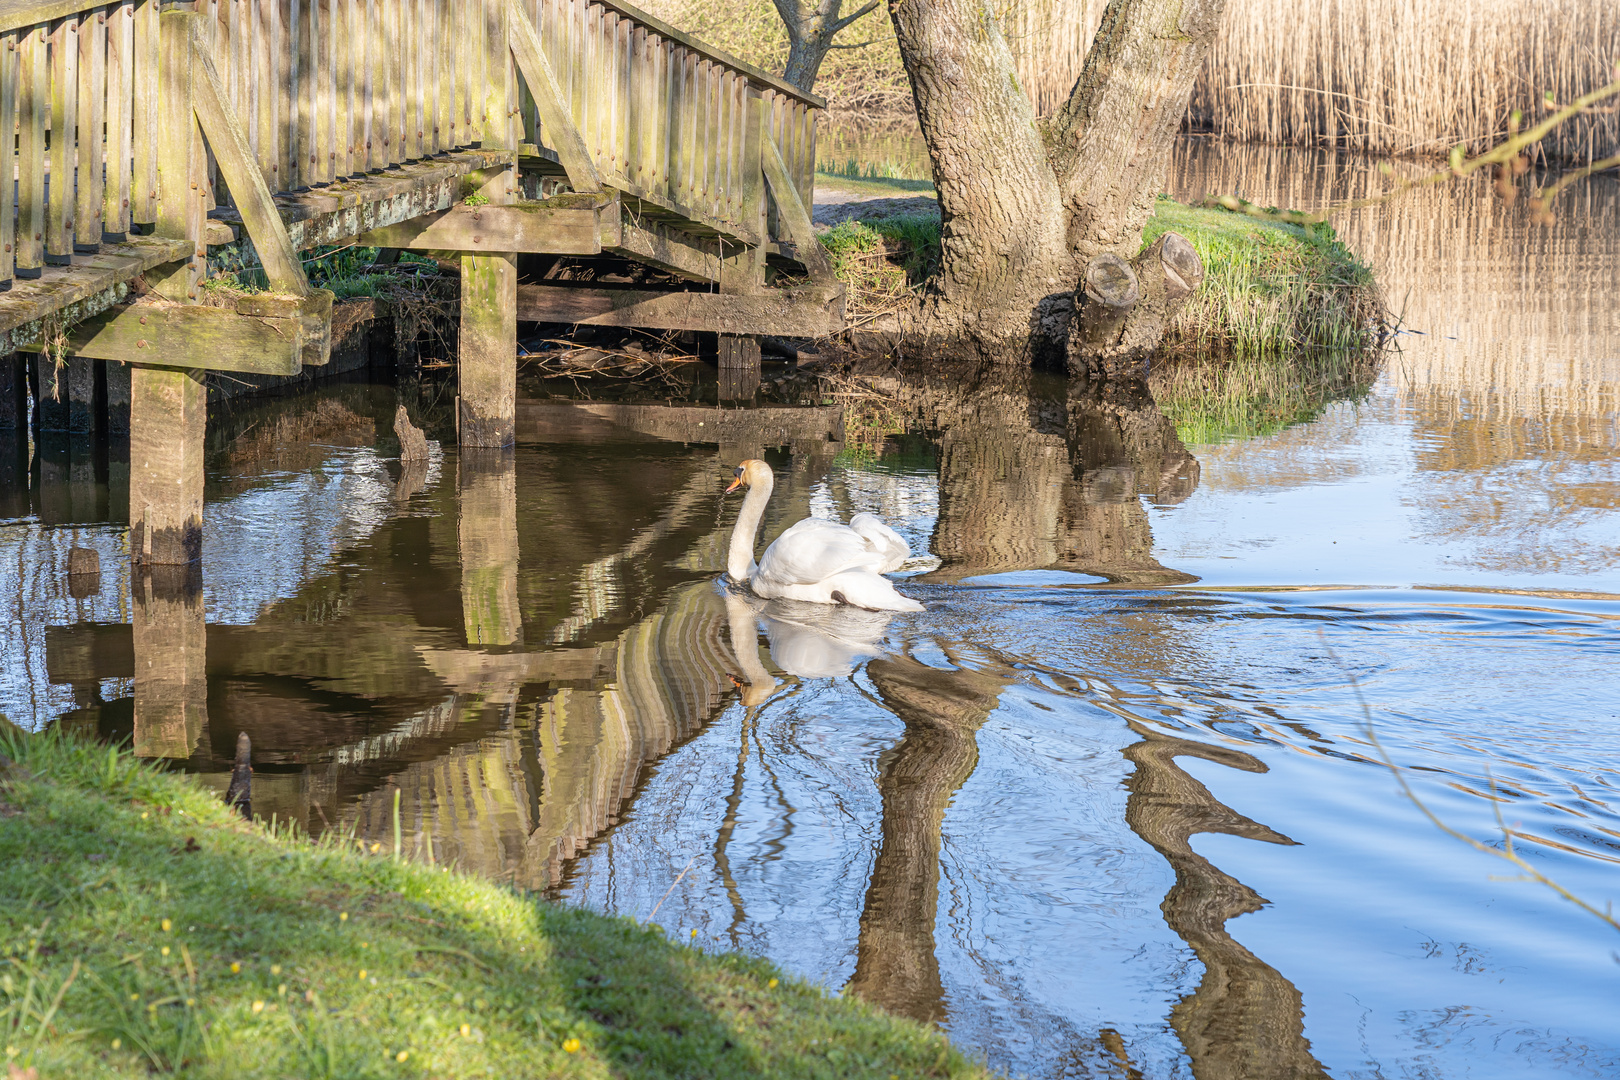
(1528, 871)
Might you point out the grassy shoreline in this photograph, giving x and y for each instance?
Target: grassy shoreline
(148, 929)
(1271, 287)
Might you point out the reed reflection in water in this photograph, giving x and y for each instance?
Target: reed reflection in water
(1499, 416)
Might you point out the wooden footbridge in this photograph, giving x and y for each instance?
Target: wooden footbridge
(150, 132)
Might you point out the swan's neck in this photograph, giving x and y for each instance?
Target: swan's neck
(740, 559)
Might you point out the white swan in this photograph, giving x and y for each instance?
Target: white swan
(816, 560)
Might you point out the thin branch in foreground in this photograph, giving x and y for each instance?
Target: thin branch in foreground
(1528, 871)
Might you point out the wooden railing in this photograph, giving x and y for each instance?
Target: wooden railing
(328, 89)
(665, 118)
(79, 85)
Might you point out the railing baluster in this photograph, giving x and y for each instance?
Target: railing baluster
(10, 70)
(443, 126)
(92, 94)
(64, 129)
(120, 94)
(388, 62)
(143, 208)
(34, 104)
(410, 70)
(343, 72)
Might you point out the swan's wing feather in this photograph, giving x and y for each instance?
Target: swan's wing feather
(815, 549)
(891, 544)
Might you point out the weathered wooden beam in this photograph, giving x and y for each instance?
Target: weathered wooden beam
(240, 169)
(560, 131)
(793, 214)
(339, 211)
(266, 336)
(534, 228)
(88, 285)
(669, 249)
(809, 311)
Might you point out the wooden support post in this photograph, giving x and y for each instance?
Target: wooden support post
(67, 394)
(488, 536)
(739, 367)
(13, 394)
(171, 678)
(167, 421)
(488, 348)
(487, 360)
(744, 272)
(118, 385)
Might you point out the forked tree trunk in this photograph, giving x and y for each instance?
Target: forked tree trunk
(811, 27)
(1026, 206)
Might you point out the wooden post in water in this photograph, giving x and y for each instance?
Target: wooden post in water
(168, 416)
(13, 393)
(171, 681)
(739, 367)
(168, 407)
(67, 394)
(488, 340)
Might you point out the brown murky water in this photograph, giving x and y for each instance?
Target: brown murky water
(1108, 807)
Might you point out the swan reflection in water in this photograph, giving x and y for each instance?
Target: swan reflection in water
(807, 641)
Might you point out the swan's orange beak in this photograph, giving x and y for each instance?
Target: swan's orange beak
(738, 482)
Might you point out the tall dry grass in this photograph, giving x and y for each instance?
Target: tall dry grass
(1408, 76)
(864, 80)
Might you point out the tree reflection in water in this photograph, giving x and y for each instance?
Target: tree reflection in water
(522, 640)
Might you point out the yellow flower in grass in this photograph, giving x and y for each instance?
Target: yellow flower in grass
(402, 1055)
(771, 985)
(571, 1045)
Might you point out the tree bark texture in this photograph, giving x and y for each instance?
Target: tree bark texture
(1003, 255)
(1025, 206)
(1123, 309)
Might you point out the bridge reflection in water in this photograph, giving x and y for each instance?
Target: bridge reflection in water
(521, 643)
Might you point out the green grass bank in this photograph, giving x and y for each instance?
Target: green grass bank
(149, 930)
(1271, 287)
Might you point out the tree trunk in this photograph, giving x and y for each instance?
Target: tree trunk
(1004, 263)
(811, 27)
(1026, 206)
(1125, 308)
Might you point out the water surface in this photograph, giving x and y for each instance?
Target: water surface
(1111, 806)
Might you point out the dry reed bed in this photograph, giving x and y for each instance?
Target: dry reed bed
(1410, 77)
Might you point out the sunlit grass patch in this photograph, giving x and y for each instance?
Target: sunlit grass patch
(1270, 287)
(882, 261)
(146, 929)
